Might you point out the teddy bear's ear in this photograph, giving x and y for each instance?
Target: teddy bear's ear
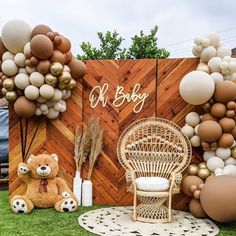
(30, 159)
(54, 157)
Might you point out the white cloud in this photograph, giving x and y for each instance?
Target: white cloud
(80, 20)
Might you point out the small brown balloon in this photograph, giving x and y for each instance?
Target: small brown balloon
(57, 39)
(40, 29)
(214, 146)
(218, 110)
(206, 146)
(230, 113)
(24, 107)
(233, 132)
(209, 131)
(28, 63)
(188, 182)
(226, 140)
(196, 194)
(44, 66)
(208, 116)
(196, 209)
(4, 77)
(78, 69)
(193, 188)
(64, 46)
(50, 35)
(41, 47)
(227, 124)
(231, 105)
(206, 107)
(225, 91)
(68, 57)
(58, 56)
(201, 186)
(2, 48)
(34, 61)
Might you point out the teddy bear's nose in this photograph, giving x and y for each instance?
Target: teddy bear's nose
(43, 168)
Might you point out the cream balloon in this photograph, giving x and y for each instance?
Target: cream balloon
(223, 153)
(197, 87)
(15, 34)
(22, 81)
(7, 55)
(223, 51)
(214, 39)
(36, 79)
(46, 91)
(52, 114)
(20, 59)
(9, 67)
(188, 130)
(31, 92)
(208, 155)
(208, 53)
(215, 162)
(195, 141)
(214, 64)
(26, 49)
(57, 95)
(192, 119)
(30, 69)
(217, 77)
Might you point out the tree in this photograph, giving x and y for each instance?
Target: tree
(142, 46)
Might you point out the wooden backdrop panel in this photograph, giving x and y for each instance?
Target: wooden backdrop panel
(160, 79)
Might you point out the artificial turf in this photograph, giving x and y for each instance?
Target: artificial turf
(47, 222)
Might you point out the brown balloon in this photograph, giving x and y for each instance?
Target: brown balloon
(230, 113)
(44, 66)
(40, 29)
(226, 140)
(68, 57)
(188, 182)
(64, 46)
(41, 47)
(227, 124)
(57, 39)
(24, 107)
(2, 48)
(58, 56)
(233, 132)
(209, 131)
(225, 91)
(218, 197)
(50, 35)
(218, 110)
(231, 105)
(208, 116)
(34, 61)
(78, 69)
(196, 209)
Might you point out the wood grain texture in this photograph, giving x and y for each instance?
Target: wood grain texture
(160, 79)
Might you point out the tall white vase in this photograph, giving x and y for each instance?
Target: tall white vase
(87, 193)
(77, 186)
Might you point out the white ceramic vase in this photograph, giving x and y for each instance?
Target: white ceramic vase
(77, 186)
(87, 193)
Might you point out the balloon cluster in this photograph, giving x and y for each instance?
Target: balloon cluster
(38, 70)
(213, 86)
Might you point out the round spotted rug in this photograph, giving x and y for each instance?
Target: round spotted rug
(117, 221)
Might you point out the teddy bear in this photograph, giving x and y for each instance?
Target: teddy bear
(44, 188)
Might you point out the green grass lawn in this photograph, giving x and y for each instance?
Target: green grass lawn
(47, 222)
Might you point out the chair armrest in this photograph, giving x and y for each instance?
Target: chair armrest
(175, 180)
(133, 178)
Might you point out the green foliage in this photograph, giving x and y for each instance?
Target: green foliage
(142, 46)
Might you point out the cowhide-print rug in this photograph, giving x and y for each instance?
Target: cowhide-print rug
(117, 221)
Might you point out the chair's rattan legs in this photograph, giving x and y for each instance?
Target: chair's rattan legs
(135, 207)
(169, 208)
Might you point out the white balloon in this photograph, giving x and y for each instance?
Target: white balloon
(218, 172)
(7, 55)
(23, 71)
(63, 102)
(37, 79)
(208, 154)
(214, 39)
(196, 129)
(197, 87)
(202, 66)
(63, 109)
(50, 103)
(20, 59)
(30, 69)
(215, 162)
(43, 107)
(57, 106)
(232, 66)
(31, 92)
(52, 114)
(45, 112)
(224, 51)
(223, 153)
(9, 67)
(27, 49)
(217, 77)
(68, 94)
(46, 91)
(208, 53)
(230, 161)
(214, 64)
(192, 119)
(38, 112)
(231, 169)
(41, 100)
(57, 95)
(15, 34)
(188, 130)
(21, 81)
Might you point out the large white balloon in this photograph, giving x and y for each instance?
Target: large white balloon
(197, 87)
(15, 34)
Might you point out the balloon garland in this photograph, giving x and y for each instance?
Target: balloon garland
(213, 86)
(37, 71)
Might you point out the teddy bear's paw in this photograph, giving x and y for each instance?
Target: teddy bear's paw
(23, 169)
(65, 194)
(19, 206)
(68, 205)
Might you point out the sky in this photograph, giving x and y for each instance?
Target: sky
(179, 21)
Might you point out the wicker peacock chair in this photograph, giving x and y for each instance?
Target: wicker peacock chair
(153, 147)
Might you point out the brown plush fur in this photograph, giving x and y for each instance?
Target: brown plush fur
(44, 188)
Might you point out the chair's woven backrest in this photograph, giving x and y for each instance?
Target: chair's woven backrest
(154, 147)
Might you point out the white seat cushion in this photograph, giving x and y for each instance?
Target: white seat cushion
(152, 184)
